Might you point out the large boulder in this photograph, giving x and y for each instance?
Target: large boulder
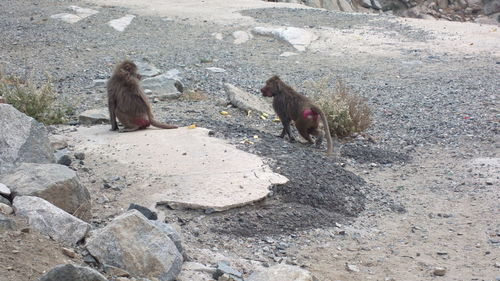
(133, 243)
(50, 220)
(246, 101)
(281, 272)
(71, 272)
(23, 139)
(55, 183)
(299, 38)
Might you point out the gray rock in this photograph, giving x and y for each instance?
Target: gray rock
(62, 157)
(150, 215)
(147, 69)
(282, 272)
(100, 83)
(55, 183)
(241, 37)
(376, 5)
(162, 85)
(171, 233)
(23, 139)
(133, 243)
(223, 269)
(345, 6)
(6, 223)
(6, 209)
(80, 156)
(94, 116)
(71, 272)
(247, 101)
(4, 190)
(50, 220)
(366, 3)
(4, 200)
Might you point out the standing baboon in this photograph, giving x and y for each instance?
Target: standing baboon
(127, 101)
(292, 106)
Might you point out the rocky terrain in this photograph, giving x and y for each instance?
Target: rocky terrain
(415, 198)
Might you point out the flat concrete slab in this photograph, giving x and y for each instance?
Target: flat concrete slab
(183, 168)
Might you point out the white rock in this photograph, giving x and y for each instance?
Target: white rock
(50, 220)
(218, 36)
(4, 190)
(121, 23)
(6, 209)
(216, 69)
(288, 54)
(282, 272)
(299, 38)
(351, 267)
(241, 36)
(81, 13)
(58, 142)
(69, 18)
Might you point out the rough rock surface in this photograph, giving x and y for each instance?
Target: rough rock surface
(162, 85)
(24, 140)
(55, 183)
(71, 272)
(135, 244)
(299, 38)
(50, 220)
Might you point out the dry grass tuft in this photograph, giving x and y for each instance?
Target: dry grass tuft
(37, 102)
(347, 112)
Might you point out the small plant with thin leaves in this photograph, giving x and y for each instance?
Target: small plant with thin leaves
(347, 113)
(37, 102)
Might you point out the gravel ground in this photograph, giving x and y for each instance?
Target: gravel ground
(421, 99)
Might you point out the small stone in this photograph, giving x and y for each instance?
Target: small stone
(150, 215)
(216, 69)
(489, 182)
(4, 190)
(6, 209)
(64, 160)
(80, 156)
(497, 264)
(351, 267)
(69, 252)
(439, 271)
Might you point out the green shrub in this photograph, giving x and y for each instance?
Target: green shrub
(37, 102)
(347, 113)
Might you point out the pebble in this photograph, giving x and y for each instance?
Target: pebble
(69, 252)
(439, 271)
(351, 267)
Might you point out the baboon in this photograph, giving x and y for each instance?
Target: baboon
(292, 106)
(127, 101)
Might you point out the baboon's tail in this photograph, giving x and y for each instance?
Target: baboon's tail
(329, 143)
